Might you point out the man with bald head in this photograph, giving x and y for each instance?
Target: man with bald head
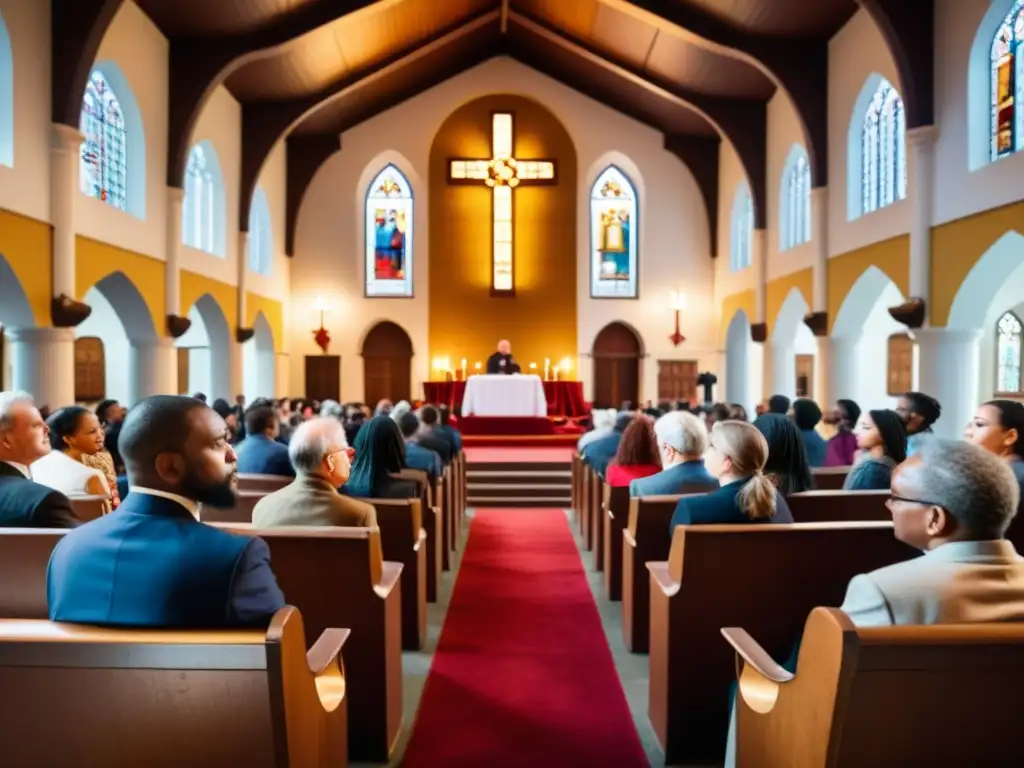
(502, 362)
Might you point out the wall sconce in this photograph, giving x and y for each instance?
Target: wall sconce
(321, 335)
(678, 304)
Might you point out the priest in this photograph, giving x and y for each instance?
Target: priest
(501, 362)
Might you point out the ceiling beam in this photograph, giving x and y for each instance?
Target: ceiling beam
(799, 66)
(504, 16)
(304, 156)
(77, 28)
(700, 155)
(909, 31)
(199, 64)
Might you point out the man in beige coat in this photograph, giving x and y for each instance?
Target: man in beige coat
(318, 453)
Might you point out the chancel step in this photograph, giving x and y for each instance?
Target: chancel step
(519, 484)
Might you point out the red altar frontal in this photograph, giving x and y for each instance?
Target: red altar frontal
(565, 398)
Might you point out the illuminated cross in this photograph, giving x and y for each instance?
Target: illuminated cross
(502, 173)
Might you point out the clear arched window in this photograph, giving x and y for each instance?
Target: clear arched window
(795, 200)
(6, 97)
(1008, 353)
(261, 246)
(199, 215)
(103, 164)
(741, 239)
(613, 236)
(884, 149)
(389, 230)
(1007, 84)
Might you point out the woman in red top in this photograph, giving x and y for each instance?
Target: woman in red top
(637, 455)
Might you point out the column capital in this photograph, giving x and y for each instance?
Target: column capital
(175, 195)
(947, 335)
(157, 343)
(37, 335)
(67, 137)
(923, 135)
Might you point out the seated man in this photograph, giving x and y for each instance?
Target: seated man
(682, 440)
(152, 563)
(24, 438)
(453, 434)
(600, 452)
(603, 422)
(320, 455)
(432, 437)
(416, 456)
(260, 453)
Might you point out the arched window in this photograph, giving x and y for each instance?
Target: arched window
(389, 231)
(103, 163)
(1008, 353)
(742, 229)
(6, 97)
(613, 236)
(202, 220)
(883, 149)
(261, 246)
(1007, 84)
(795, 200)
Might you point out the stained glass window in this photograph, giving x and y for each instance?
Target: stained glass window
(103, 165)
(199, 214)
(883, 150)
(261, 246)
(1007, 84)
(1008, 349)
(389, 230)
(795, 201)
(613, 236)
(742, 230)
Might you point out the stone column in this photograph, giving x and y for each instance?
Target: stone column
(842, 371)
(948, 363)
(759, 262)
(172, 251)
(823, 390)
(920, 171)
(66, 143)
(44, 364)
(237, 372)
(155, 368)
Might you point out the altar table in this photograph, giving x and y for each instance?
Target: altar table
(498, 395)
(565, 398)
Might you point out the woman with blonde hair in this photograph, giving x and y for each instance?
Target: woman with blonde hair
(737, 453)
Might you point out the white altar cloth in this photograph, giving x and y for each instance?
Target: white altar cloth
(499, 395)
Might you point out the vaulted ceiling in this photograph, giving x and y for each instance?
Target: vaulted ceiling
(699, 71)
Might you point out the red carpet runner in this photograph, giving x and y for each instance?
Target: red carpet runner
(523, 675)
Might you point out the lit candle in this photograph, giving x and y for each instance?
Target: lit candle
(533, 366)
(547, 368)
(477, 366)
(463, 369)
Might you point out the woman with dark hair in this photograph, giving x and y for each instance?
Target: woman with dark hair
(841, 450)
(998, 427)
(75, 433)
(380, 452)
(637, 455)
(806, 414)
(787, 465)
(882, 440)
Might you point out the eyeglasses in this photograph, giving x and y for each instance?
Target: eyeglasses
(921, 502)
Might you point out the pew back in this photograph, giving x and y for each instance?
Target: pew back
(24, 555)
(264, 483)
(836, 506)
(829, 478)
(89, 506)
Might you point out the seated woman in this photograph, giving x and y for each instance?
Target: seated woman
(882, 441)
(841, 449)
(998, 427)
(737, 454)
(787, 465)
(637, 455)
(75, 433)
(380, 452)
(806, 414)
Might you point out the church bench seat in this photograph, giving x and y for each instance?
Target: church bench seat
(433, 524)
(162, 698)
(338, 577)
(615, 518)
(24, 556)
(831, 506)
(264, 483)
(241, 512)
(829, 478)
(881, 696)
(88, 506)
(766, 578)
(592, 507)
(577, 488)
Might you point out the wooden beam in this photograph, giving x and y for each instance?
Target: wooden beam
(305, 155)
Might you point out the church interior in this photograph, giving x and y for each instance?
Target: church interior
(339, 209)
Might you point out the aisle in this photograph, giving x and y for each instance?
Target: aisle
(523, 675)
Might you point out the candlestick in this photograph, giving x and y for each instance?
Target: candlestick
(547, 369)
(463, 369)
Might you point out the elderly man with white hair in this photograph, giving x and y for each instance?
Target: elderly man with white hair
(603, 420)
(682, 440)
(319, 452)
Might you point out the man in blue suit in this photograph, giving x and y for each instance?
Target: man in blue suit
(260, 453)
(682, 441)
(416, 456)
(599, 453)
(152, 563)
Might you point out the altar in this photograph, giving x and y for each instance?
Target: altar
(498, 395)
(562, 398)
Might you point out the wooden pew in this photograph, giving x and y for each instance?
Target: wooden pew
(615, 518)
(577, 488)
(338, 577)
(592, 514)
(403, 540)
(161, 698)
(24, 555)
(764, 577)
(88, 506)
(831, 506)
(264, 483)
(829, 478)
(433, 524)
(939, 695)
(446, 495)
(245, 503)
(585, 485)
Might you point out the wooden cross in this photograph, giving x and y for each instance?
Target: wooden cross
(502, 173)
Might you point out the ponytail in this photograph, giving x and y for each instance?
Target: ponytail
(757, 497)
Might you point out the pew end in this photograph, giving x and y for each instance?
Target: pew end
(90, 506)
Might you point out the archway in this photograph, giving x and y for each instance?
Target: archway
(204, 359)
(861, 331)
(617, 352)
(107, 342)
(793, 349)
(741, 355)
(258, 361)
(387, 363)
(15, 312)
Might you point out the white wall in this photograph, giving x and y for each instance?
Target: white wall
(1009, 297)
(784, 130)
(105, 323)
(727, 282)
(329, 253)
(855, 53)
(273, 182)
(25, 187)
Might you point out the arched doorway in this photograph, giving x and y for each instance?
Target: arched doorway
(15, 312)
(387, 363)
(258, 361)
(617, 352)
(208, 356)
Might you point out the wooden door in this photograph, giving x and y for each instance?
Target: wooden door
(900, 378)
(90, 370)
(805, 375)
(387, 364)
(617, 353)
(183, 370)
(677, 380)
(323, 377)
